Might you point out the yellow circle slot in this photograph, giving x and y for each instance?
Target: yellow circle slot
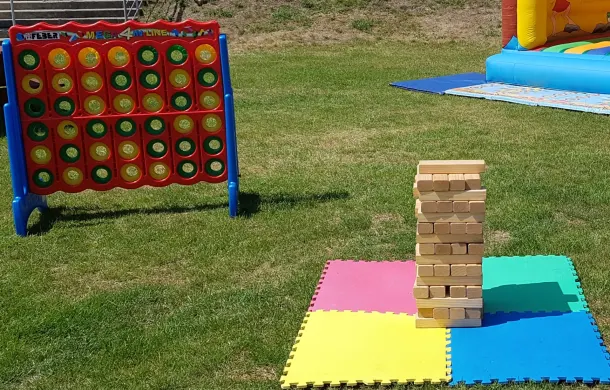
(67, 130)
(72, 176)
(209, 100)
(99, 151)
(40, 155)
(205, 54)
(59, 58)
(62, 82)
(184, 124)
(94, 105)
(179, 78)
(32, 84)
(152, 102)
(92, 81)
(130, 172)
(123, 103)
(89, 57)
(118, 56)
(128, 150)
(159, 171)
(211, 123)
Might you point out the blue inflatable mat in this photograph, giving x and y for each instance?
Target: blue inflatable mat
(536, 347)
(441, 84)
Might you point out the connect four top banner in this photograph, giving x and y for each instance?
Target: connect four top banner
(121, 105)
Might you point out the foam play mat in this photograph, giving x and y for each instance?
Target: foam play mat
(532, 96)
(360, 329)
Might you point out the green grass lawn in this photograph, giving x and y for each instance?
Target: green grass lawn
(159, 289)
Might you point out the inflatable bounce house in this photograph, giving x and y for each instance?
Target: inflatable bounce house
(554, 44)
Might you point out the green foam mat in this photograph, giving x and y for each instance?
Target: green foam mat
(531, 284)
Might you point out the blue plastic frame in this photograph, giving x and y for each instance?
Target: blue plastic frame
(232, 161)
(24, 202)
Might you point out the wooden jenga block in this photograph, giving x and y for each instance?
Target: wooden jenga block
(442, 270)
(474, 228)
(425, 312)
(444, 206)
(440, 313)
(457, 182)
(473, 313)
(428, 207)
(458, 248)
(473, 269)
(461, 206)
(473, 181)
(442, 249)
(451, 166)
(457, 313)
(425, 228)
(450, 195)
(426, 249)
(474, 292)
(477, 206)
(425, 270)
(440, 182)
(424, 183)
(457, 291)
(458, 269)
(476, 249)
(458, 228)
(438, 291)
(450, 217)
(448, 238)
(449, 281)
(442, 228)
(421, 292)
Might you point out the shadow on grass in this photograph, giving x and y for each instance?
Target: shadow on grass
(249, 204)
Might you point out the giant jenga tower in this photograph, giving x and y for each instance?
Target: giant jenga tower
(450, 210)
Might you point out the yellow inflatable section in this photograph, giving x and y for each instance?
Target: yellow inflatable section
(538, 21)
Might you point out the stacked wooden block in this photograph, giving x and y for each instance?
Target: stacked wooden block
(450, 211)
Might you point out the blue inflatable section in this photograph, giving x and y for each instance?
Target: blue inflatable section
(569, 72)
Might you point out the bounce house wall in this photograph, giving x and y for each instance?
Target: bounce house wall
(509, 20)
(535, 19)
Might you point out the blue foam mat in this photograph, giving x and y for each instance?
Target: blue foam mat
(537, 347)
(441, 84)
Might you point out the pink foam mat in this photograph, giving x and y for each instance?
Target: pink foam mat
(382, 286)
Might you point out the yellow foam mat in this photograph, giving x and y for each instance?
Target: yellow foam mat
(335, 348)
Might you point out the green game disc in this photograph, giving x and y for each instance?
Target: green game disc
(181, 101)
(185, 146)
(177, 55)
(120, 80)
(212, 145)
(96, 128)
(69, 153)
(64, 106)
(38, 131)
(154, 125)
(43, 178)
(126, 127)
(156, 148)
(150, 79)
(148, 55)
(101, 174)
(187, 169)
(207, 77)
(34, 107)
(214, 167)
(29, 59)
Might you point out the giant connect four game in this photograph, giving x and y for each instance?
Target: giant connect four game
(117, 105)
